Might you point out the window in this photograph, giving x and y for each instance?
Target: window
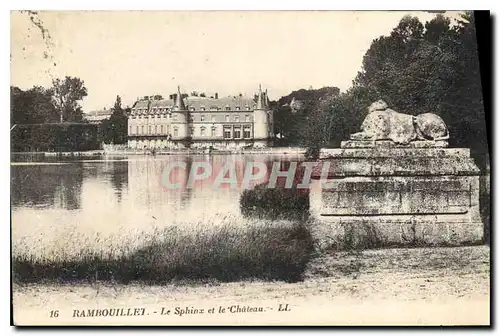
(237, 108)
(156, 129)
(149, 129)
(142, 129)
(247, 118)
(202, 131)
(191, 119)
(176, 131)
(192, 109)
(161, 129)
(213, 117)
(203, 108)
(136, 129)
(130, 130)
(237, 118)
(246, 132)
(227, 117)
(168, 129)
(237, 132)
(213, 131)
(247, 108)
(202, 117)
(228, 108)
(191, 130)
(174, 117)
(227, 132)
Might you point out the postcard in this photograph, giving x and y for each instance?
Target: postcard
(249, 168)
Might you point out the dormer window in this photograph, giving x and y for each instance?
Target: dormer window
(202, 108)
(247, 107)
(237, 108)
(192, 109)
(228, 108)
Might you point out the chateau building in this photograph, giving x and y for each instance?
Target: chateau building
(97, 116)
(201, 122)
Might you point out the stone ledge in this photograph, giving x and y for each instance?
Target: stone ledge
(392, 144)
(396, 152)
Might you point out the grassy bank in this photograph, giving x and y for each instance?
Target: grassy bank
(268, 251)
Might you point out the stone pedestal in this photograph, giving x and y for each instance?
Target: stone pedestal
(381, 194)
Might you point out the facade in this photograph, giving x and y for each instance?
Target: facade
(200, 122)
(98, 116)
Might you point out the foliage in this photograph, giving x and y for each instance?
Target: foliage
(297, 116)
(431, 68)
(32, 106)
(114, 129)
(56, 137)
(275, 203)
(418, 68)
(67, 93)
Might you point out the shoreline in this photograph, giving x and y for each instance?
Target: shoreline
(91, 153)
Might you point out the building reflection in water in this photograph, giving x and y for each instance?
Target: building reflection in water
(132, 190)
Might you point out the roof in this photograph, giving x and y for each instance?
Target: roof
(96, 113)
(261, 100)
(199, 102)
(179, 102)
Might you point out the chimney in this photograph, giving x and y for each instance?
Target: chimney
(216, 95)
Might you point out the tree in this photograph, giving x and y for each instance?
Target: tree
(67, 93)
(32, 106)
(114, 130)
(299, 116)
(430, 68)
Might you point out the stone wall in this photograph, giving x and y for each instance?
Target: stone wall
(385, 195)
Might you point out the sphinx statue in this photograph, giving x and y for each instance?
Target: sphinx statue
(383, 123)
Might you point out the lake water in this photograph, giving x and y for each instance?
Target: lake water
(74, 203)
(54, 199)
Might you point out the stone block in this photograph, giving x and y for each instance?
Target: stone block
(399, 196)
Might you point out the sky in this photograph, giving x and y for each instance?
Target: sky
(138, 53)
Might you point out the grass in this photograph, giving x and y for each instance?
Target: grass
(269, 250)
